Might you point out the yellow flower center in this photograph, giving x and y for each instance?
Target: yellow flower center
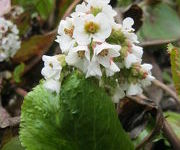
(91, 27)
(104, 53)
(81, 54)
(51, 65)
(69, 31)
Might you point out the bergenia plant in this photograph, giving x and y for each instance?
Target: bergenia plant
(100, 63)
(93, 43)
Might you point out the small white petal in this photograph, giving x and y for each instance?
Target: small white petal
(131, 59)
(52, 68)
(112, 69)
(52, 85)
(94, 69)
(137, 50)
(127, 24)
(105, 28)
(147, 67)
(119, 94)
(82, 8)
(134, 89)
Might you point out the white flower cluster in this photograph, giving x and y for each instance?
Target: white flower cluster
(9, 39)
(94, 43)
(51, 72)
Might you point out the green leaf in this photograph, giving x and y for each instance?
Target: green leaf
(43, 7)
(18, 72)
(124, 2)
(13, 144)
(175, 66)
(81, 118)
(161, 23)
(174, 120)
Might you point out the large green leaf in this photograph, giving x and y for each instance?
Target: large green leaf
(43, 7)
(81, 118)
(175, 66)
(13, 144)
(161, 23)
(174, 120)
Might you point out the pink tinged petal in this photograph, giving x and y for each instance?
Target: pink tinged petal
(5, 7)
(134, 89)
(52, 85)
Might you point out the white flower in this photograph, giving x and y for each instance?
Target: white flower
(52, 68)
(52, 85)
(101, 6)
(104, 54)
(127, 25)
(134, 89)
(137, 51)
(4, 25)
(119, 94)
(149, 78)
(65, 31)
(11, 44)
(82, 8)
(91, 27)
(9, 39)
(94, 69)
(112, 69)
(132, 37)
(128, 30)
(95, 7)
(79, 57)
(131, 59)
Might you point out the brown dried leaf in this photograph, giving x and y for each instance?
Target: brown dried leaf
(34, 46)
